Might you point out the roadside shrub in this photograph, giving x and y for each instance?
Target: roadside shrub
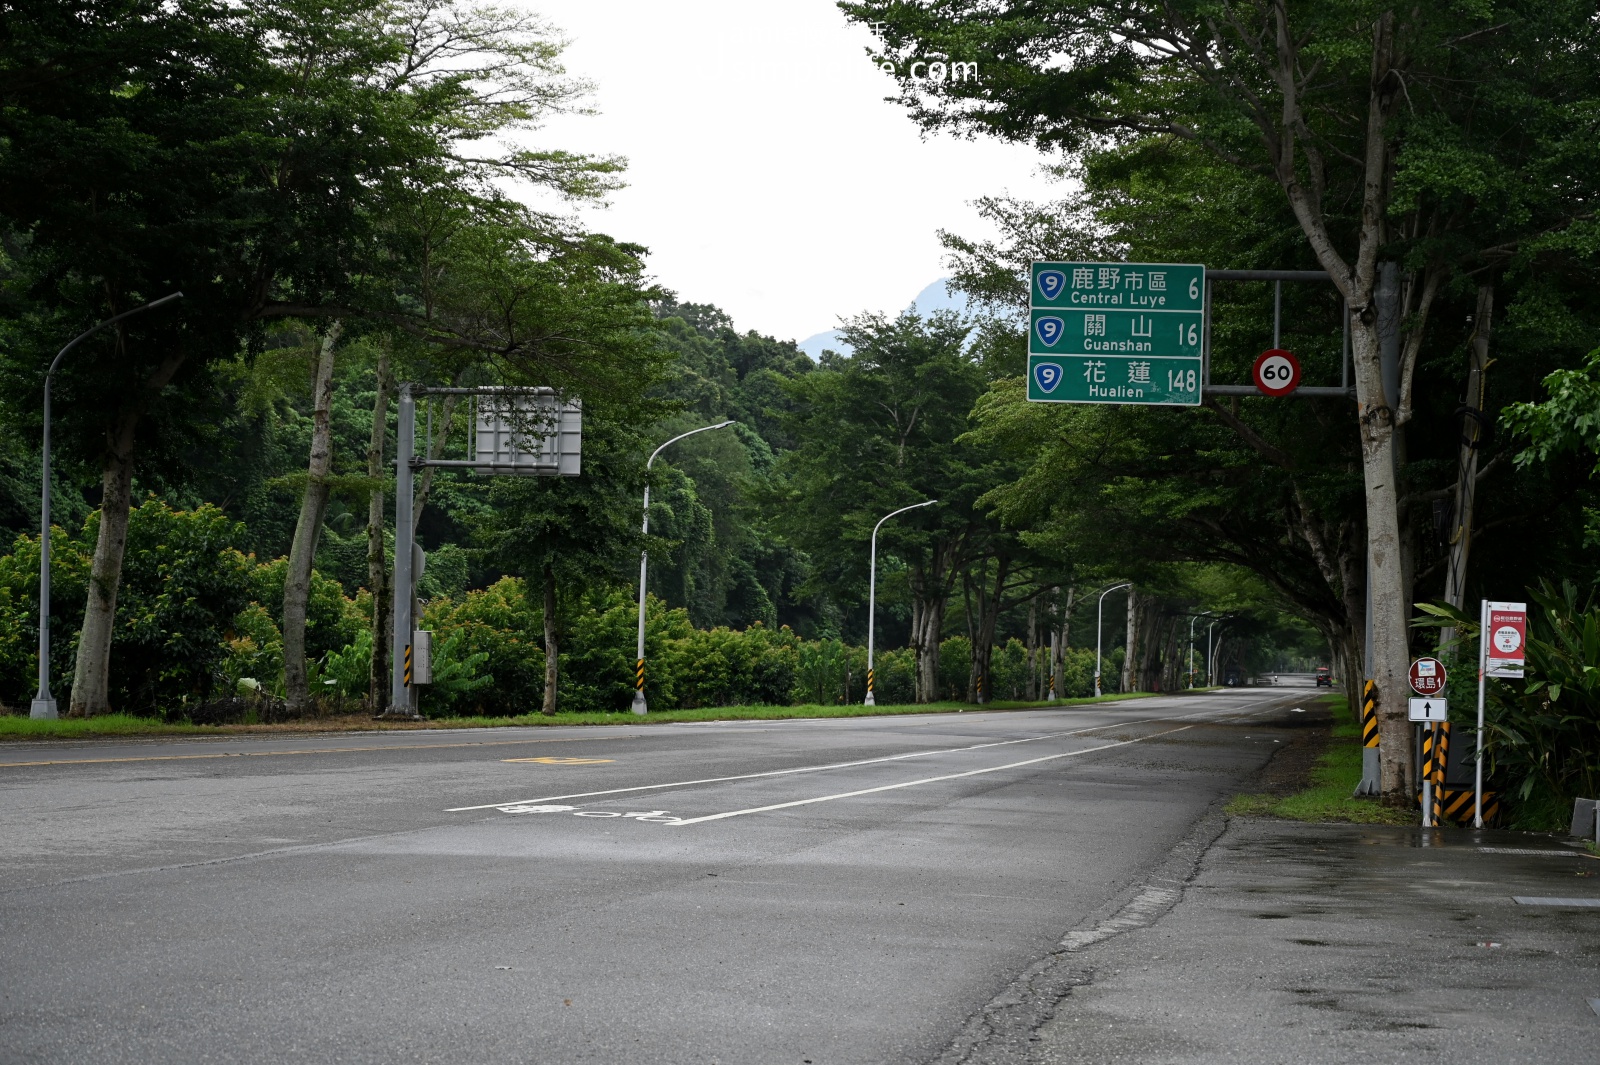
(19, 615)
(498, 629)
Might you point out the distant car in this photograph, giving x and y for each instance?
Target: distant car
(1324, 677)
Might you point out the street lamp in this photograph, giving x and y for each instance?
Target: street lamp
(44, 704)
(1190, 661)
(1211, 648)
(1098, 621)
(639, 706)
(872, 590)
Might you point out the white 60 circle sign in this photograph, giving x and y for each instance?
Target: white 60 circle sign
(1276, 372)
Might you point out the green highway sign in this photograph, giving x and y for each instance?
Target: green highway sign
(1095, 379)
(1171, 334)
(1125, 286)
(1116, 333)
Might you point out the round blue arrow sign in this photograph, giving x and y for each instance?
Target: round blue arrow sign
(1050, 330)
(1047, 375)
(1051, 282)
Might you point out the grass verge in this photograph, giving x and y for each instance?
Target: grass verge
(118, 725)
(1333, 779)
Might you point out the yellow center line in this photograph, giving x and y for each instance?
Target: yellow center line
(310, 750)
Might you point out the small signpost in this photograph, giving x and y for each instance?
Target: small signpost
(1116, 333)
(1276, 372)
(1427, 676)
(1502, 629)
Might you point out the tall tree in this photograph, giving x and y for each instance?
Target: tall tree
(1358, 117)
(878, 430)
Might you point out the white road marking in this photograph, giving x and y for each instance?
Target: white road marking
(924, 780)
(842, 765)
(780, 772)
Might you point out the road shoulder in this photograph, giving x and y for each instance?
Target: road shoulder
(1265, 940)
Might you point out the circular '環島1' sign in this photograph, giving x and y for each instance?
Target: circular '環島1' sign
(1427, 676)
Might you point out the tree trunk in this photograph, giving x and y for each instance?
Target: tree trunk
(91, 678)
(1455, 580)
(551, 650)
(1130, 646)
(308, 530)
(990, 602)
(377, 563)
(1058, 665)
(930, 592)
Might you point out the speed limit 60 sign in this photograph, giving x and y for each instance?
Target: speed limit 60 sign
(1276, 372)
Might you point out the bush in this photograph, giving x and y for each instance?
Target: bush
(19, 615)
(499, 629)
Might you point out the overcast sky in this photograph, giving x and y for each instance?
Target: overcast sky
(766, 172)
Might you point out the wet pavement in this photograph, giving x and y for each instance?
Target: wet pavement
(1341, 943)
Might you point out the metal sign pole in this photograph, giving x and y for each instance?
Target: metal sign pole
(405, 448)
(1477, 770)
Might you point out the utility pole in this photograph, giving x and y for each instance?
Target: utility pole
(640, 706)
(44, 704)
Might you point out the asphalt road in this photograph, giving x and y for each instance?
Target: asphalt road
(824, 891)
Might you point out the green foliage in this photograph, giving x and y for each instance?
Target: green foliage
(1568, 421)
(332, 619)
(458, 674)
(499, 629)
(19, 613)
(183, 583)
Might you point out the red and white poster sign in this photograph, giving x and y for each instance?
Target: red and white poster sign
(1505, 629)
(1427, 676)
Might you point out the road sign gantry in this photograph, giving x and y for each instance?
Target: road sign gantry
(1116, 333)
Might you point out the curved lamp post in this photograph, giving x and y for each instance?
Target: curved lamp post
(872, 591)
(44, 704)
(1190, 662)
(1211, 647)
(639, 705)
(1099, 616)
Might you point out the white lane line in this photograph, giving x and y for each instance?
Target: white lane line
(914, 783)
(1212, 712)
(778, 772)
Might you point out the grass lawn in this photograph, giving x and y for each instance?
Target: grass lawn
(113, 725)
(1335, 776)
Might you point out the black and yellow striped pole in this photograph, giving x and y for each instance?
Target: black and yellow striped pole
(408, 665)
(638, 677)
(1371, 769)
(1369, 714)
(870, 677)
